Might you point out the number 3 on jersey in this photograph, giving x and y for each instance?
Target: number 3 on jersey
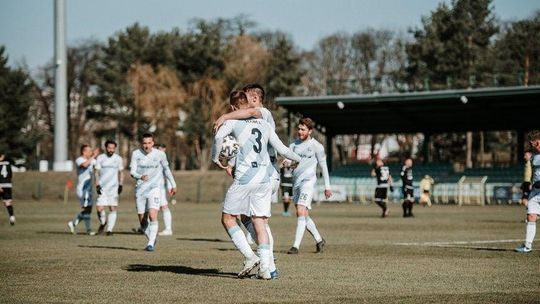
(257, 147)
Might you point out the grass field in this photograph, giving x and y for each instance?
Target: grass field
(437, 257)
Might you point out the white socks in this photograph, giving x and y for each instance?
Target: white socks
(264, 253)
(167, 219)
(239, 240)
(300, 229)
(152, 232)
(272, 264)
(530, 233)
(111, 221)
(102, 217)
(310, 226)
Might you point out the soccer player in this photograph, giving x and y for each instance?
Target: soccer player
(286, 185)
(407, 188)
(109, 176)
(149, 166)
(6, 186)
(425, 187)
(384, 180)
(251, 190)
(533, 205)
(166, 212)
(85, 166)
(304, 179)
(255, 95)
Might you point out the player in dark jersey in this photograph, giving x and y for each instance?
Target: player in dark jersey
(407, 187)
(384, 181)
(286, 185)
(6, 186)
(527, 173)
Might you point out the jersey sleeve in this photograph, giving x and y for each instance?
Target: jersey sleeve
(321, 159)
(133, 166)
(267, 116)
(281, 148)
(79, 161)
(167, 171)
(225, 130)
(97, 166)
(120, 163)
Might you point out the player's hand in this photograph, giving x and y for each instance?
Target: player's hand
(172, 191)
(120, 189)
(391, 189)
(95, 153)
(229, 171)
(524, 202)
(218, 123)
(98, 189)
(144, 177)
(327, 193)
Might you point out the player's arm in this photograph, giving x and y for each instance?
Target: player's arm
(225, 130)
(238, 114)
(133, 167)
(168, 175)
(120, 175)
(321, 159)
(96, 176)
(281, 148)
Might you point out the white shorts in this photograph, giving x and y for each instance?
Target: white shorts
(164, 201)
(275, 190)
(107, 199)
(533, 206)
(150, 200)
(250, 200)
(303, 194)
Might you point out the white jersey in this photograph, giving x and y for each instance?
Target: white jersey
(108, 171)
(155, 166)
(84, 175)
(535, 178)
(312, 152)
(252, 161)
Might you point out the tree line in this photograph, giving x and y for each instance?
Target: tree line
(175, 83)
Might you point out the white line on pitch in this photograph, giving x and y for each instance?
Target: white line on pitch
(457, 243)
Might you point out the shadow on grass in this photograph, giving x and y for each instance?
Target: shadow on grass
(57, 232)
(206, 272)
(109, 247)
(477, 248)
(202, 240)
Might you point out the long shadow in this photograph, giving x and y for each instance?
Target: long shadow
(109, 247)
(206, 272)
(477, 248)
(201, 240)
(82, 232)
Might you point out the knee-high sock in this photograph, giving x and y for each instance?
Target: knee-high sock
(10, 210)
(167, 219)
(300, 229)
(312, 228)
(152, 232)
(102, 216)
(381, 204)
(77, 219)
(271, 263)
(530, 232)
(240, 242)
(405, 208)
(111, 221)
(286, 206)
(411, 204)
(87, 222)
(264, 253)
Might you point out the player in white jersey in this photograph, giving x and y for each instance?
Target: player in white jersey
(255, 95)
(304, 179)
(109, 173)
(85, 166)
(533, 205)
(165, 211)
(251, 190)
(149, 166)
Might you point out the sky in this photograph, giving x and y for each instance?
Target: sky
(26, 26)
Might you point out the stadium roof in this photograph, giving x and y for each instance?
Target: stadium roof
(508, 108)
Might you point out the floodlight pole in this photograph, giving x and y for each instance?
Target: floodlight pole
(60, 87)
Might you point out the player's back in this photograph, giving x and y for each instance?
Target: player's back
(252, 161)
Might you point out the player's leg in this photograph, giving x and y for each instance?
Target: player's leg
(167, 215)
(286, 201)
(533, 210)
(8, 202)
(102, 216)
(410, 195)
(154, 202)
(111, 219)
(263, 248)
(142, 213)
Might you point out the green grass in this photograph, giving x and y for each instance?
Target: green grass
(42, 262)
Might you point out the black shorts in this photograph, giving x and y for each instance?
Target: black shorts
(408, 193)
(381, 193)
(288, 190)
(6, 194)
